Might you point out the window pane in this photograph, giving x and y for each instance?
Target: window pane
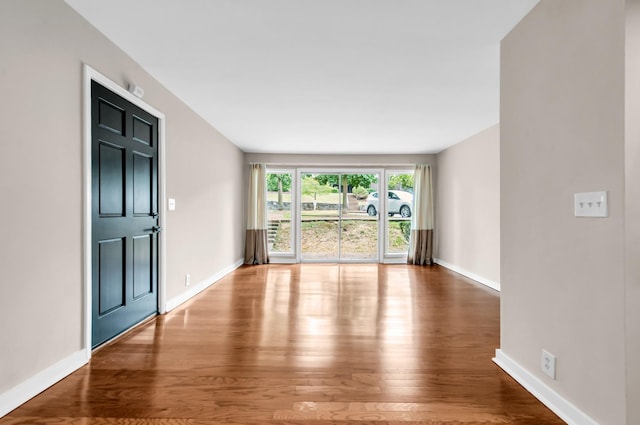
(279, 211)
(399, 211)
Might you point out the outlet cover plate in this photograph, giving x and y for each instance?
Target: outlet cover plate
(548, 364)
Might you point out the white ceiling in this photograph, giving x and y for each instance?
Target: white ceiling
(323, 76)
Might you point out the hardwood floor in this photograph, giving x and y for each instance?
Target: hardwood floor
(304, 344)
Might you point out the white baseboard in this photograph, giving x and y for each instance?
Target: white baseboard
(554, 401)
(23, 392)
(201, 286)
(486, 282)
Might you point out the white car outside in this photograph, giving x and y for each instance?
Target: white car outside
(399, 202)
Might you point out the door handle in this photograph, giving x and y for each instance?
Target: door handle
(156, 229)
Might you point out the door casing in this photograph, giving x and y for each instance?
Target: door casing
(90, 74)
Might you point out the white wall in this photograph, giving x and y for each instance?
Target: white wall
(43, 44)
(468, 208)
(562, 132)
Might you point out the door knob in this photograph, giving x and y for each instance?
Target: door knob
(156, 229)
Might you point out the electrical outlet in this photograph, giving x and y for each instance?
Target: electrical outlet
(548, 364)
(187, 279)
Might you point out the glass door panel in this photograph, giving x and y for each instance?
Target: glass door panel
(358, 229)
(320, 217)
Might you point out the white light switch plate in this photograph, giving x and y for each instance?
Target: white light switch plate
(591, 204)
(172, 204)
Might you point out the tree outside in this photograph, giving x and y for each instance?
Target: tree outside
(279, 182)
(401, 181)
(346, 181)
(312, 186)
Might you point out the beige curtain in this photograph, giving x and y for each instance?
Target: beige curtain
(256, 249)
(421, 240)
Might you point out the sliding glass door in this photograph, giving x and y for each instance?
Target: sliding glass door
(334, 222)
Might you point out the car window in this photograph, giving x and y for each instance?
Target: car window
(393, 196)
(375, 194)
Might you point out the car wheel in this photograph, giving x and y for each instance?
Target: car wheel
(405, 211)
(371, 210)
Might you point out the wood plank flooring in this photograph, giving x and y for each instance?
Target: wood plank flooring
(304, 344)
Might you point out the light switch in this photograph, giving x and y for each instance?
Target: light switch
(591, 204)
(172, 204)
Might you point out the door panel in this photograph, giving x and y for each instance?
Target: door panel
(142, 131)
(142, 265)
(142, 184)
(124, 214)
(111, 180)
(111, 117)
(112, 275)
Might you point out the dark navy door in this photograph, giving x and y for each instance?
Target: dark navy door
(124, 155)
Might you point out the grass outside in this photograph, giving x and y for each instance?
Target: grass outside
(358, 237)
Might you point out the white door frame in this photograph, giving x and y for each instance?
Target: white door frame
(90, 74)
